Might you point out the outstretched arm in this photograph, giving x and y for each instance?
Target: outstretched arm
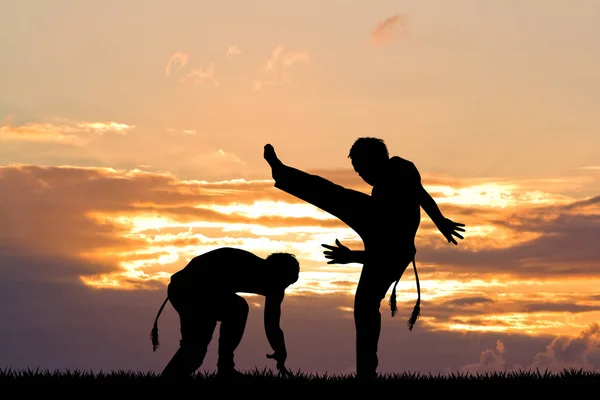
(274, 332)
(343, 255)
(429, 205)
(447, 227)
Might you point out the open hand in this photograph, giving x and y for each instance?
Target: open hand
(280, 364)
(338, 255)
(449, 228)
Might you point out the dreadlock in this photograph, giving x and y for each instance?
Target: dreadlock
(154, 333)
(417, 309)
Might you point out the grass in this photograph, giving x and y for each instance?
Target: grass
(264, 379)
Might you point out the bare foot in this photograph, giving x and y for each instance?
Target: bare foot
(271, 156)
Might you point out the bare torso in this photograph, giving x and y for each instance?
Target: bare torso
(228, 270)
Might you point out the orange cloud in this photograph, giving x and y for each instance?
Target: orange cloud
(43, 133)
(201, 75)
(62, 131)
(524, 265)
(530, 307)
(276, 67)
(382, 34)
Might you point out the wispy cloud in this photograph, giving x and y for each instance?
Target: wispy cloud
(202, 75)
(178, 60)
(42, 133)
(198, 76)
(190, 132)
(63, 131)
(98, 128)
(383, 32)
(233, 50)
(275, 68)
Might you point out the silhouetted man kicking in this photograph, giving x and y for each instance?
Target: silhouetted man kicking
(386, 221)
(205, 292)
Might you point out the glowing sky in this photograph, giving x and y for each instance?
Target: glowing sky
(131, 138)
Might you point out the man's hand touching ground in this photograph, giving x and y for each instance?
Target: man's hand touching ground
(280, 363)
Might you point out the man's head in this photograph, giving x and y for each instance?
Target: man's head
(285, 266)
(369, 157)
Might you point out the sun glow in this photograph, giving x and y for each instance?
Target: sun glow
(159, 245)
(273, 208)
(534, 324)
(500, 195)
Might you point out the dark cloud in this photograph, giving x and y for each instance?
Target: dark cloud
(572, 352)
(478, 322)
(343, 283)
(579, 352)
(54, 209)
(560, 307)
(19, 264)
(49, 221)
(489, 360)
(468, 301)
(485, 312)
(567, 245)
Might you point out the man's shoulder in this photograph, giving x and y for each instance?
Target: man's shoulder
(400, 168)
(397, 162)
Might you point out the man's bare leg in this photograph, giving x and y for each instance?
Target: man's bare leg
(233, 316)
(352, 207)
(372, 287)
(196, 336)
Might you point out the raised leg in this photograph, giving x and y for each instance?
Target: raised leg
(352, 207)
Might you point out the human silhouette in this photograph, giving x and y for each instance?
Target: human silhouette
(387, 222)
(205, 292)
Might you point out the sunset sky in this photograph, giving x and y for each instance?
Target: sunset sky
(131, 138)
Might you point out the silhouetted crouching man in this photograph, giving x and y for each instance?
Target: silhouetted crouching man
(205, 292)
(387, 222)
